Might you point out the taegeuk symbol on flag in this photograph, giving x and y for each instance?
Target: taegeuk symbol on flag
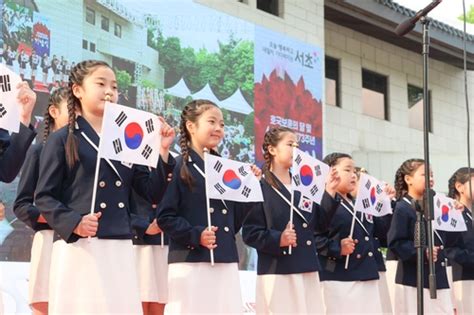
(231, 180)
(130, 135)
(446, 216)
(309, 175)
(371, 198)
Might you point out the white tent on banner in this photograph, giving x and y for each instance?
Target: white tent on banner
(237, 103)
(207, 94)
(180, 89)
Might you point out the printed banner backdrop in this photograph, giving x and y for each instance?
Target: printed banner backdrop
(288, 89)
(164, 54)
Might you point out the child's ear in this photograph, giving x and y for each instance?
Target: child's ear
(407, 179)
(271, 150)
(53, 112)
(459, 187)
(77, 91)
(191, 127)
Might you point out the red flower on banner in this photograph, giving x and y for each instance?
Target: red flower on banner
(283, 98)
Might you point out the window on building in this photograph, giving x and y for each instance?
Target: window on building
(104, 23)
(374, 94)
(332, 81)
(415, 108)
(90, 16)
(270, 6)
(118, 30)
(84, 44)
(92, 47)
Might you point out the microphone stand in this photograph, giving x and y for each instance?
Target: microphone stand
(425, 212)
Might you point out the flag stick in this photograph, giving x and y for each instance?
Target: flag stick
(162, 239)
(292, 197)
(208, 203)
(350, 235)
(94, 190)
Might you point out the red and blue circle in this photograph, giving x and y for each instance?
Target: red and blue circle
(231, 180)
(306, 175)
(445, 213)
(133, 135)
(373, 196)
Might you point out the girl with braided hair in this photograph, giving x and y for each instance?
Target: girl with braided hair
(287, 283)
(461, 254)
(55, 117)
(195, 286)
(92, 263)
(410, 186)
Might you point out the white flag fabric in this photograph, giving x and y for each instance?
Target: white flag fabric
(446, 216)
(9, 105)
(309, 175)
(231, 180)
(130, 135)
(371, 198)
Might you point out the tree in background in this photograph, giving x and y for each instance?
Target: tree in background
(469, 15)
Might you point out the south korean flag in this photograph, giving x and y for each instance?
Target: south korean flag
(309, 175)
(9, 104)
(371, 198)
(231, 180)
(130, 135)
(446, 216)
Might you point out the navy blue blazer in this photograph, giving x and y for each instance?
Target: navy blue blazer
(460, 251)
(183, 216)
(362, 262)
(24, 206)
(142, 214)
(64, 195)
(264, 225)
(13, 151)
(401, 241)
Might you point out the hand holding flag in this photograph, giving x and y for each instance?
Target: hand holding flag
(17, 100)
(332, 182)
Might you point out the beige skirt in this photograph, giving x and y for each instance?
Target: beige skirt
(94, 276)
(352, 297)
(199, 288)
(449, 273)
(391, 266)
(289, 294)
(38, 284)
(464, 295)
(384, 294)
(405, 301)
(152, 266)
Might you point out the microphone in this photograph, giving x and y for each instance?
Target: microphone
(410, 23)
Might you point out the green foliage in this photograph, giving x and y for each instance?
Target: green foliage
(249, 125)
(148, 84)
(469, 15)
(124, 79)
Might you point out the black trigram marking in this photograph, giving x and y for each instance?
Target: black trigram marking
(365, 203)
(454, 222)
(379, 206)
(147, 150)
(150, 127)
(298, 159)
(314, 190)
(218, 166)
(438, 203)
(438, 220)
(367, 185)
(242, 171)
(5, 83)
(3, 111)
(117, 146)
(317, 170)
(120, 119)
(219, 188)
(296, 179)
(246, 191)
(379, 189)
